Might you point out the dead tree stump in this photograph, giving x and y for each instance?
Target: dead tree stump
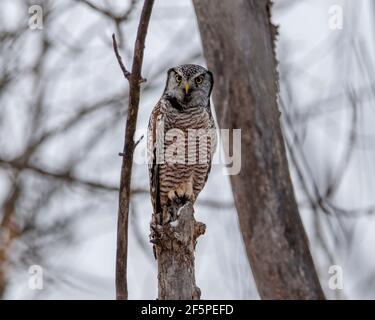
(174, 246)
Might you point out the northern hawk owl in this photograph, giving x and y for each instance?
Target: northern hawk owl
(181, 138)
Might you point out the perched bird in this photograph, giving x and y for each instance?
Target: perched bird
(181, 138)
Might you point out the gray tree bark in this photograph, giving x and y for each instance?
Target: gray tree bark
(174, 250)
(238, 41)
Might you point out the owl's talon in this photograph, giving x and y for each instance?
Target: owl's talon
(172, 195)
(154, 241)
(180, 191)
(184, 192)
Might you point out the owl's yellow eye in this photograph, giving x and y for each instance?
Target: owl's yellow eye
(178, 78)
(199, 80)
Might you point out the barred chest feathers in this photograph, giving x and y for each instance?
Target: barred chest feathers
(196, 118)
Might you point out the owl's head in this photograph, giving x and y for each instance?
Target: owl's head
(189, 85)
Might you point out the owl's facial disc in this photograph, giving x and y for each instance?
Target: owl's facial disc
(189, 85)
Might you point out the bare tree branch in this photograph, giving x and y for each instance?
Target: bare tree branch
(119, 59)
(129, 145)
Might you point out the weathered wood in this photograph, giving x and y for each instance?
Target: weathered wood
(238, 41)
(174, 248)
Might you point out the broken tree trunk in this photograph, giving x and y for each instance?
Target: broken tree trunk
(238, 41)
(174, 250)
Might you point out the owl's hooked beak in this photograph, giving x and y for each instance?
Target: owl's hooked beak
(187, 87)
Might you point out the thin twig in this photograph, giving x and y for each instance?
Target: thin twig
(138, 141)
(112, 15)
(119, 59)
(65, 176)
(125, 71)
(122, 154)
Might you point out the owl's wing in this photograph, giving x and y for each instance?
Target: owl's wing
(213, 146)
(156, 119)
(213, 137)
